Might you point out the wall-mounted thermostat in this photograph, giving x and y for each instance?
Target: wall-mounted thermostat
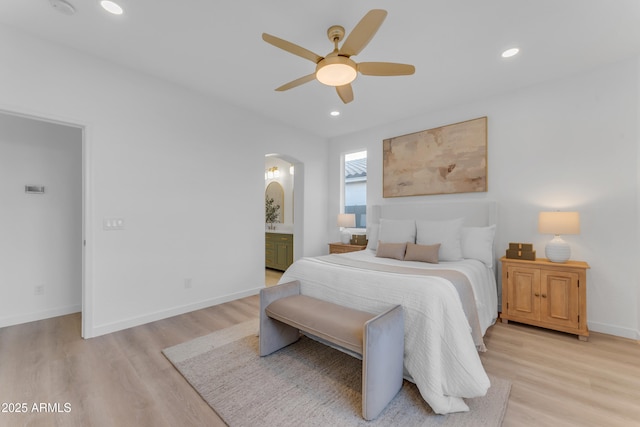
(34, 189)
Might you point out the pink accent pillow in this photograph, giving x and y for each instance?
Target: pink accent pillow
(391, 250)
(423, 253)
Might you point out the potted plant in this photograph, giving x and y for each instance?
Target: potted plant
(271, 212)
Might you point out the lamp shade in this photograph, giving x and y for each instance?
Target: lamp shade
(559, 223)
(346, 220)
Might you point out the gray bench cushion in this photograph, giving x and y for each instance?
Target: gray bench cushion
(337, 324)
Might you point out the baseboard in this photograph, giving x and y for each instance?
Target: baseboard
(159, 315)
(614, 330)
(39, 315)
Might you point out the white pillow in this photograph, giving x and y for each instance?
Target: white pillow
(477, 243)
(397, 230)
(447, 233)
(372, 236)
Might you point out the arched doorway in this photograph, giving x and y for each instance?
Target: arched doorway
(287, 173)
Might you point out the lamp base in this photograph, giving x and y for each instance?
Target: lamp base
(345, 237)
(557, 250)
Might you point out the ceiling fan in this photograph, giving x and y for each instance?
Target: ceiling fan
(337, 68)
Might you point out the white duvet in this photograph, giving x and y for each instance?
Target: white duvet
(440, 355)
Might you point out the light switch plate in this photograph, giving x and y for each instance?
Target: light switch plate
(113, 224)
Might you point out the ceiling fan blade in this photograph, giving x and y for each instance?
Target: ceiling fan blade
(363, 32)
(385, 69)
(345, 93)
(297, 82)
(292, 48)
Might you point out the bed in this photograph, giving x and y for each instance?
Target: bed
(448, 305)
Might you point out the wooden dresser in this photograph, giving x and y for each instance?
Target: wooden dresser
(546, 294)
(278, 251)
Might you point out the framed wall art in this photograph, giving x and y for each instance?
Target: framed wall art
(445, 160)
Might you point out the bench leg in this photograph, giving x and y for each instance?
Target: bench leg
(382, 361)
(275, 335)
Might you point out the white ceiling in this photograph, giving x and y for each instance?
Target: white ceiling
(216, 47)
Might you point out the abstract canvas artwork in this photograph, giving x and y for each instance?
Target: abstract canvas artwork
(444, 160)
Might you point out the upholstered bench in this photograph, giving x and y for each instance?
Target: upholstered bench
(377, 339)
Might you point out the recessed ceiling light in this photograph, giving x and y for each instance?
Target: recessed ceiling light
(335, 113)
(111, 7)
(510, 52)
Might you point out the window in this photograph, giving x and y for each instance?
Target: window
(355, 186)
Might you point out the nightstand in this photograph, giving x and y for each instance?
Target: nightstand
(341, 248)
(546, 294)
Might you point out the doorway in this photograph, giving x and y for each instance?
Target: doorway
(42, 186)
(284, 188)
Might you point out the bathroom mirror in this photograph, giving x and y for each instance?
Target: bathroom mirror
(276, 192)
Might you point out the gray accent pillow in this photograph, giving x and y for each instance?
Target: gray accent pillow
(391, 250)
(422, 253)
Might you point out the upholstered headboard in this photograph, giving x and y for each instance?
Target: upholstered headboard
(476, 213)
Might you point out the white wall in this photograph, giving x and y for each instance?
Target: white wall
(183, 170)
(567, 144)
(41, 244)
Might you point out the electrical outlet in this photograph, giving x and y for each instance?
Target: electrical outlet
(187, 283)
(39, 290)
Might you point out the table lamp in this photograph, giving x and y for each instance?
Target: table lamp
(344, 221)
(557, 223)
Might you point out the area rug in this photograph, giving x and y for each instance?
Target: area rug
(306, 384)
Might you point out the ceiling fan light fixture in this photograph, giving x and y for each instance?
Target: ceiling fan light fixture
(336, 71)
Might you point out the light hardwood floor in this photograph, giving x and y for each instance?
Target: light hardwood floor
(559, 380)
(122, 379)
(271, 276)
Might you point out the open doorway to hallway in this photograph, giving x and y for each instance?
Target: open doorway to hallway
(41, 220)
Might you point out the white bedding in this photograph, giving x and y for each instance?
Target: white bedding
(440, 355)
